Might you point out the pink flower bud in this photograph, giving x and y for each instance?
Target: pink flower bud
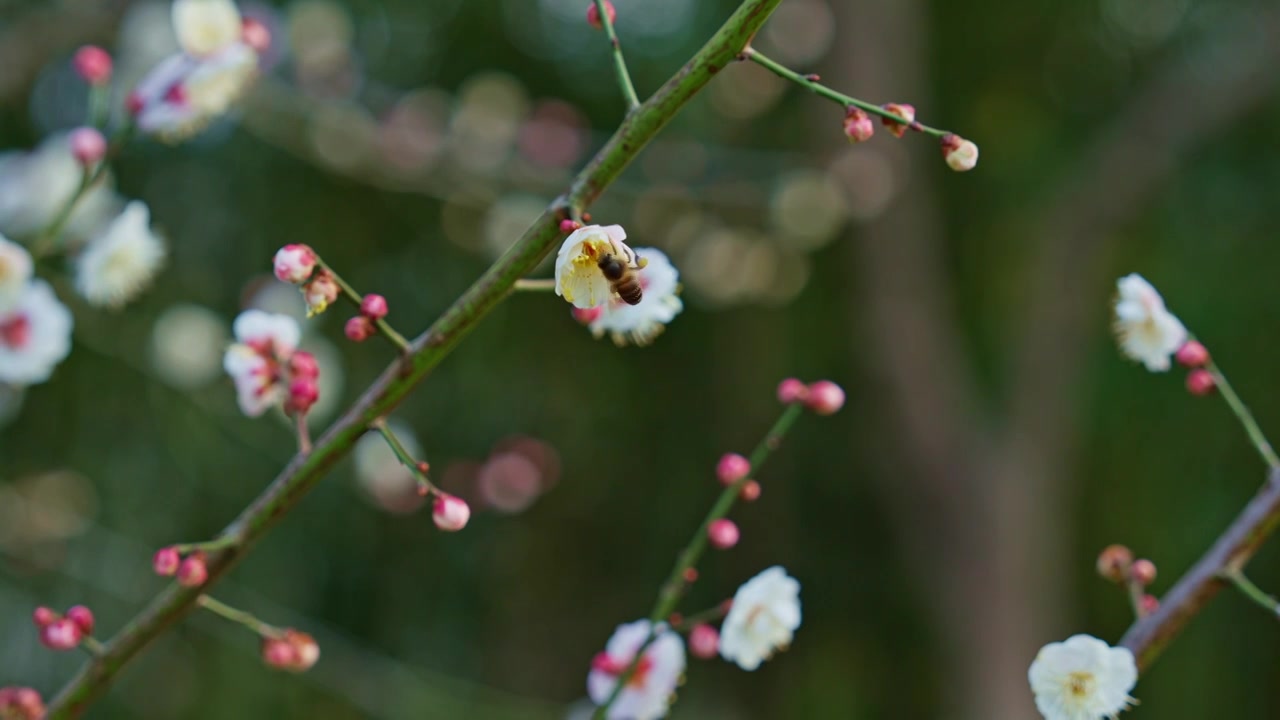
(303, 393)
(450, 513)
(278, 653)
(255, 35)
(87, 146)
(1200, 382)
(165, 561)
(82, 617)
(1192, 354)
(373, 306)
(723, 533)
(193, 571)
(61, 634)
(586, 316)
(1114, 562)
(732, 468)
(902, 110)
(750, 491)
(295, 263)
(858, 126)
(1143, 572)
(690, 575)
(791, 391)
(359, 328)
(961, 155)
(1149, 604)
(593, 15)
(302, 364)
(93, 64)
(43, 616)
(305, 648)
(568, 226)
(704, 641)
(825, 397)
(320, 292)
(21, 703)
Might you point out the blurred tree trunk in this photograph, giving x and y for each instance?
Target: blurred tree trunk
(976, 516)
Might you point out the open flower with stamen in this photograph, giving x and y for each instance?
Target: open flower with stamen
(648, 692)
(1082, 678)
(258, 362)
(762, 620)
(186, 91)
(35, 335)
(579, 278)
(1146, 331)
(121, 261)
(16, 268)
(640, 324)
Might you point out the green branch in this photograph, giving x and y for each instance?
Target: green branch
(426, 352)
(619, 64)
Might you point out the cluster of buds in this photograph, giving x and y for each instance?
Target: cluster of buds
(63, 632)
(20, 703)
(373, 308)
(961, 155)
(267, 367)
(297, 264)
(731, 468)
(190, 571)
(1116, 564)
(822, 397)
(1195, 356)
(290, 650)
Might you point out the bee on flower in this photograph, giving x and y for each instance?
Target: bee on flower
(594, 265)
(639, 324)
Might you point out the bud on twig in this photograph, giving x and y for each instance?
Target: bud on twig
(825, 397)
(1200, 382)
(373, 306)
(1143, 572)
(1192, 354)
(704, 641)
(902, 110)
(1114, 562)
(732, 468)
(723, 533)
(93, 64)
(593, 15)
(450, 513)
(858, 126)
(88, 146)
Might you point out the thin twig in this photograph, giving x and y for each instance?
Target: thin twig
(1246, 418)
(619, 64)
(426, 352)
(1237, 578)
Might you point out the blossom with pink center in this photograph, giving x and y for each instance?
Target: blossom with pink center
(258, 362)
(642, 323)
(1147, 332)
(35, 335)
(215, 67)
(648, 692)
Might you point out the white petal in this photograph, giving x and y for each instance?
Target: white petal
(206, 26)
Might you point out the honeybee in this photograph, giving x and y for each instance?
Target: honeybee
(622, 277)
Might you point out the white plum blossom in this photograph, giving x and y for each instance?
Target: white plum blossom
(579, 278)
(35, 185)
(35, 335)
(186, 91)
(15, 272)
(763, 618)
(1082, 679)
(648, 693)
(1146, 331)
(204, 27)
(120, 261)
(640, 324)
(257, 360)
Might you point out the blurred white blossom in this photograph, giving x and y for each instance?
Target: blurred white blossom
(204, 27)
(763, 619)
(185, 345)
(15, 272)
(1147, 332)
(647, 694)
(121, 261)
(264, 342)
(35, 335)
(1082, 679)
(579, 278)
(640, 324)
(35, 185)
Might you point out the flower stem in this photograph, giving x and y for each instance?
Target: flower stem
(304, 435)
(384, 328)
(711, 614)
(91, 645)
(1135, 592)
(240, 617)
(1246, 418)
(619, 64)
(218, 543)
(673, 588)
(425, 486)
(1241, 582)
(535, 285)
(50, 238)
(812, 84)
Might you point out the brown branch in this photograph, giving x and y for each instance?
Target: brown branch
(427, 351)
(1148, 637)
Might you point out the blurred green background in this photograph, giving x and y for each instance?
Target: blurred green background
(943, 526)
